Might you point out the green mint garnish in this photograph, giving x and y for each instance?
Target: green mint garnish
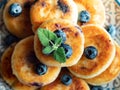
(59, 55)
(47, 50)
(51, 43)
(45, 36)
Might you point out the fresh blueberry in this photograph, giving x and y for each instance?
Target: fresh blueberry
(61, 34)
(41, 69)
(90, 52)
(68, 50)
(111, 30)
(10, 39)
(15, 9)
(84, 16)
(66, 79)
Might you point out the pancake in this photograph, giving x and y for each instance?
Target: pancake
(6, 71)
(77, 83)
(111, 73)
(19, 26)
(24, 63)
(97, 37)
(44, 10)
(74, 38)
(95, 8)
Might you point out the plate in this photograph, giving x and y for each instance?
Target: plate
(113, 17)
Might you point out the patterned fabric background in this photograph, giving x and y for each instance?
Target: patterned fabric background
(113, 17)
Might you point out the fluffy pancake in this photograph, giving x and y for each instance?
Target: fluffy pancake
(44, 10)
(98, 37)
(77, 83)
(111, 72)
(74, 38)
(24, 62)
(6, 71)
(19, 26)
(95, 8)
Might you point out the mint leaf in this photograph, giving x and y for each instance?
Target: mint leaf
(47, 50)
(42, 37)
(45, 36)
(58, 41)
(59, 55)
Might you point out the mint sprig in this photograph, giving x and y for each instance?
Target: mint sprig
(51, 43)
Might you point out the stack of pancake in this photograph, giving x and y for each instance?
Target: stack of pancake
(96, 66)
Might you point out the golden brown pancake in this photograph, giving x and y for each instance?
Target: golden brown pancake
(24, 63)
(77, 83)
(97, 37)
(44, 10)
(111, 73)
(19, 26)
(74, 38)
(6, 71)
(95, 8)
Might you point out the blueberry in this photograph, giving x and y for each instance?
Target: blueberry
(66, 79)
(10, 39)
(68, 50)
(15, 9)
(84, 16)
(111, 30)
(41, 69)
(90, 52)
(61, 34)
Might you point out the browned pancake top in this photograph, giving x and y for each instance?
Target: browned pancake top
(110, 73)
(74, 38)
(97, 37)
(24, 62)
(44, 10)
(6, 71)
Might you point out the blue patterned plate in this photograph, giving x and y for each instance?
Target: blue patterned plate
(113, 17)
